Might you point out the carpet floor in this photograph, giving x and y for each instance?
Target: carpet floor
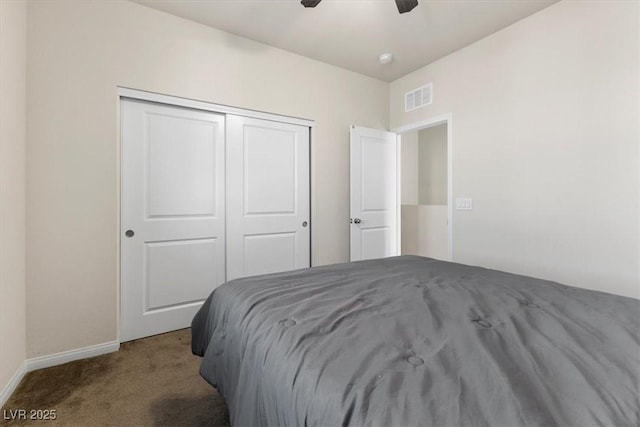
(151, 381)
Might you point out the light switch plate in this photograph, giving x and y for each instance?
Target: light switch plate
(464, 204)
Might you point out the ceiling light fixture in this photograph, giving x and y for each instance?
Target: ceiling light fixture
(403, 5)
(406, 5)
(310, 3)
(385, 58)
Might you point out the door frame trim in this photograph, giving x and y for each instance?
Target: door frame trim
(423, 124)
(125, 92)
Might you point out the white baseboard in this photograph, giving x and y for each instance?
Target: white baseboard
(13, 384)
(71, 355)
(53, 360)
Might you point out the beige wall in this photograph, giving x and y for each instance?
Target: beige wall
(432, 165)
(78, 53)
(409, 168)
(13, 50)
(545, 141)
(423, 162)
(424, 231)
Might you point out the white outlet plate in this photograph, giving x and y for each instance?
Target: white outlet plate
(464, 204)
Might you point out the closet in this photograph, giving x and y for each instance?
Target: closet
(206, 196)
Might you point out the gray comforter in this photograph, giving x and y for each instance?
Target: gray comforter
(412, 341)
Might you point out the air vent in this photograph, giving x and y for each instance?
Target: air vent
(418, 97)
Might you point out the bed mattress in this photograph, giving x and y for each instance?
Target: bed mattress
(411, 341)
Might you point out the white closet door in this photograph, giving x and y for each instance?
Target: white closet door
(267, 197)
(173, 227)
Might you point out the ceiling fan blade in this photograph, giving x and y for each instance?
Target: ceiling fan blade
(406, 5)
(310, 3)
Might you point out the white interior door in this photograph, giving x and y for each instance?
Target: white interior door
(374, 194)
(268, 212)
(172, 222)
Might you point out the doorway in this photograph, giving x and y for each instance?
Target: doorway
(425, 196)
(410, 205)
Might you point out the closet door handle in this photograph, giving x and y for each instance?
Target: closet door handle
(305, 223)
(129, 233)
(357, 220)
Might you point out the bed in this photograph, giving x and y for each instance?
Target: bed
(412, 341)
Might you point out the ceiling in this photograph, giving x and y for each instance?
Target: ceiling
(352, 33)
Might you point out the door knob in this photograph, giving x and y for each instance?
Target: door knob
(305, 223)
(357, 220)
(129, 233)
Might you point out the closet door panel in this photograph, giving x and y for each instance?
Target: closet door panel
(173, 225)
(267, 197)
